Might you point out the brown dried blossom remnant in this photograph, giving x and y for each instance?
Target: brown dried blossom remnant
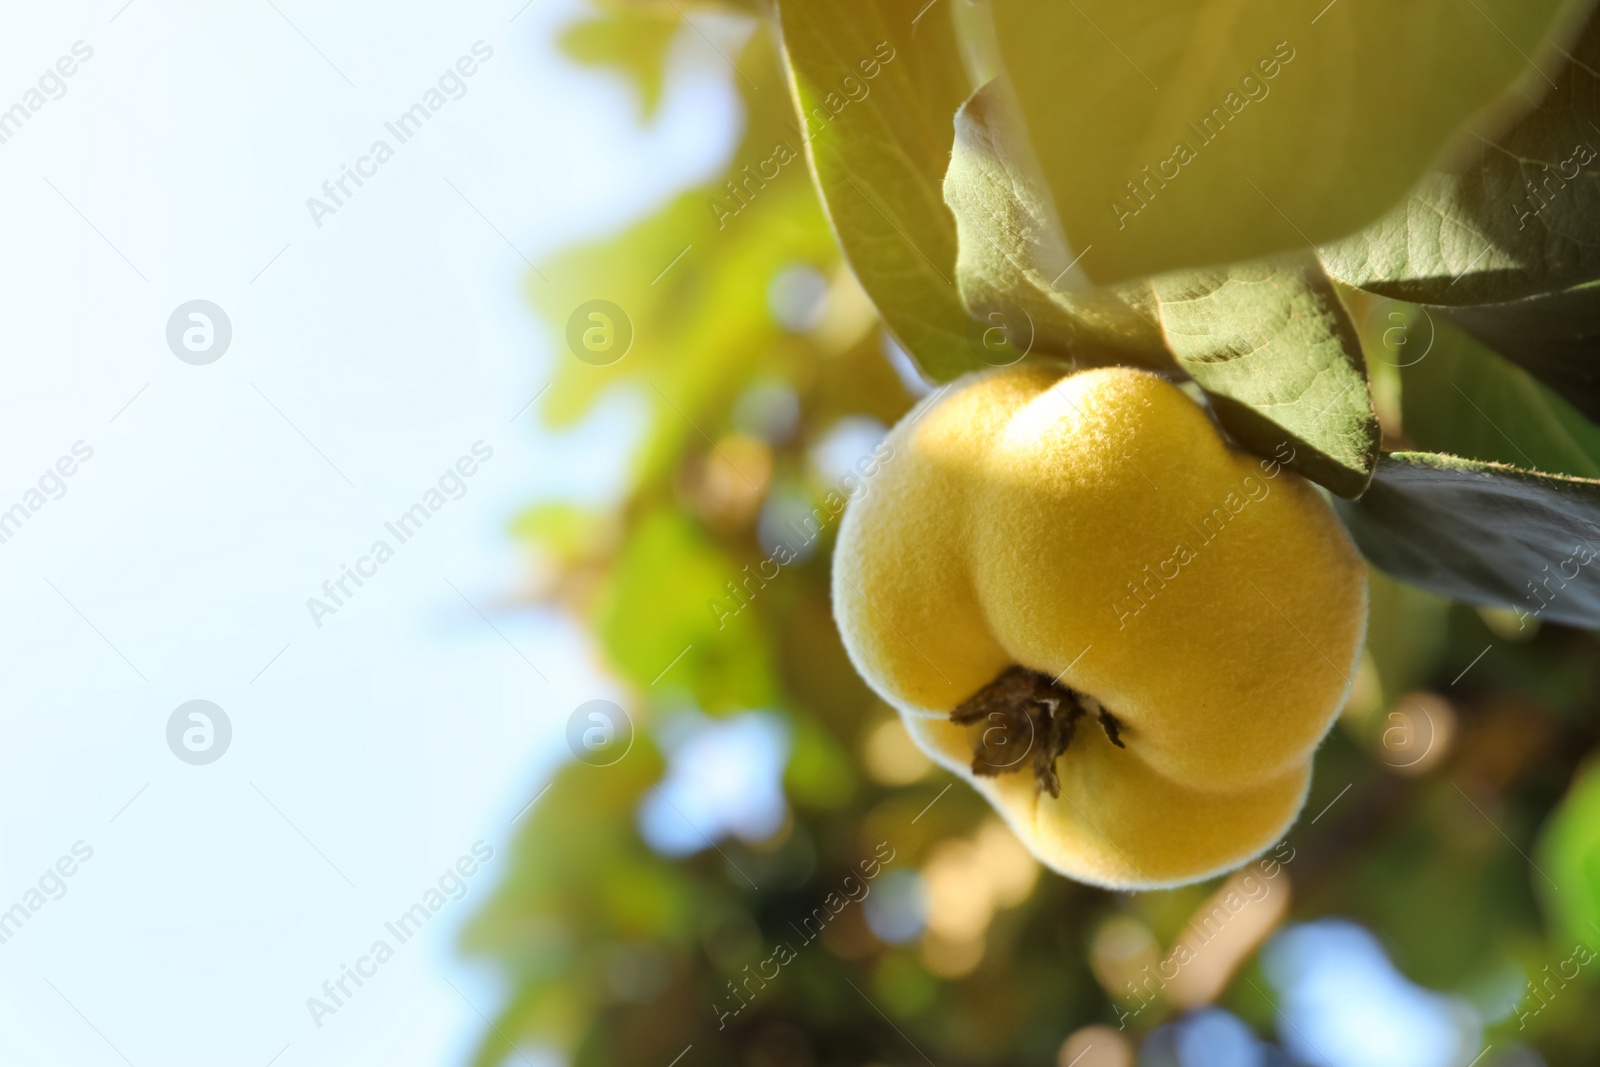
(1031, 721)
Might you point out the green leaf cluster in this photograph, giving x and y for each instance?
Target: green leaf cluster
(1216, 194)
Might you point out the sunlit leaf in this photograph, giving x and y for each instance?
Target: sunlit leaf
(1275, 351)
(1569, 854)
(1175, 134)
(1015, 274)
(1519, 217)
(877, 90)
(634, 43)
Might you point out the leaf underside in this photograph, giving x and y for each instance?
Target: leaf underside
(1484, 533)
(1176, 134)
(1519, 217)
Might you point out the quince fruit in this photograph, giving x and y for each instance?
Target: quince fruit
(1127, 635)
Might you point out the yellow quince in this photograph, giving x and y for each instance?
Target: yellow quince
(1127, 635)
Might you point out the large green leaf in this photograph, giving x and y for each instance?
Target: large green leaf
(1013, 270)
(1463, 399)
(1519, 217)
(877, 89)
(1272, 346)
(1556, 337)
(1230, 131)
(1485, 533)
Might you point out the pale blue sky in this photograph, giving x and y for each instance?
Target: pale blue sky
(367, 355)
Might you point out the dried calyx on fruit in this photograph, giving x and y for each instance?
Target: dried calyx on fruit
(1030, 721)
(1040, 550)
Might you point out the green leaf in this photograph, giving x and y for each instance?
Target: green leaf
(1519, 217)
(877, 89)
(1011, 259)
(1273, 348)
(1569, 850)
(1320, 117)
(1463, 399)
(634, 42)
(1484, 533)
(654, 614)
(1555, 337)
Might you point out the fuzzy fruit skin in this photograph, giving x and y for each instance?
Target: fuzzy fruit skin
(1016, 508)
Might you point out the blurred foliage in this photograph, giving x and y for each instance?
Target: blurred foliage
(1446, 830)
(631, 40)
